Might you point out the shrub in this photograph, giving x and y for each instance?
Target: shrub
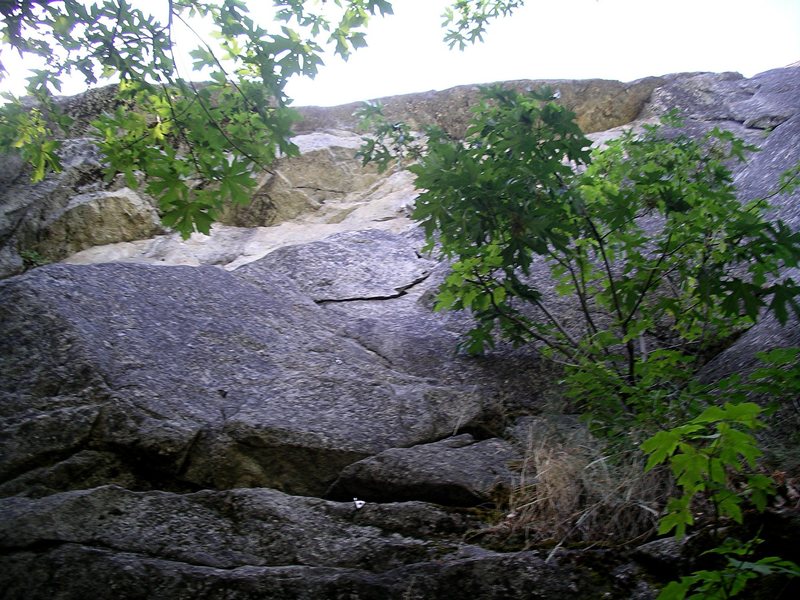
(662, 263)
(646, 236)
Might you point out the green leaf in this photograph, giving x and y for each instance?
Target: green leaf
(660, 447)
(676, 590)
(677, 520)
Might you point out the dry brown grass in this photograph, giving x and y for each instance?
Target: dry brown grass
(570, 493)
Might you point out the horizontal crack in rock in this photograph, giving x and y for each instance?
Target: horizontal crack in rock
(401, 291)
(46, 545)
(319, 189)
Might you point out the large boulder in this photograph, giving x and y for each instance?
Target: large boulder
(210, 380)
(458, 471)
(94, 219)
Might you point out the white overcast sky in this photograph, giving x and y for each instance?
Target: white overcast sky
(553, 39)
(564, 39)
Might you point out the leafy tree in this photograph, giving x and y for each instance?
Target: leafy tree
(661, 262)
(646, 235)
(466, 19)
(729, 581)
(198, 145)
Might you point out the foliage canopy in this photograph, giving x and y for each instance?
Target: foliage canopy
(657, 262)
(645, 237)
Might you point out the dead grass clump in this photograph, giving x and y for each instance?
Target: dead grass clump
(571, 493)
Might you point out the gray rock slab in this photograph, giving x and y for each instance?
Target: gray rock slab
(458, 471)
(380, 290)
(528, 575)
(774, 100)
(760, 177)
(761, 102)
(224, 530)
(741, 356)
(260, 543)
(358, 265)
(200, 376)
(76, 572)
(780, 150)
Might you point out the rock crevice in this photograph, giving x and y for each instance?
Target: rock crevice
(401, 291)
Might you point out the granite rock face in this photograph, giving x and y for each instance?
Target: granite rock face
(349, 266)
(323, 191)
(173, 429)
(382, 205)
(213, 381)
(761, 103)
(326, 178)
(26, 207)
(380, 290)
